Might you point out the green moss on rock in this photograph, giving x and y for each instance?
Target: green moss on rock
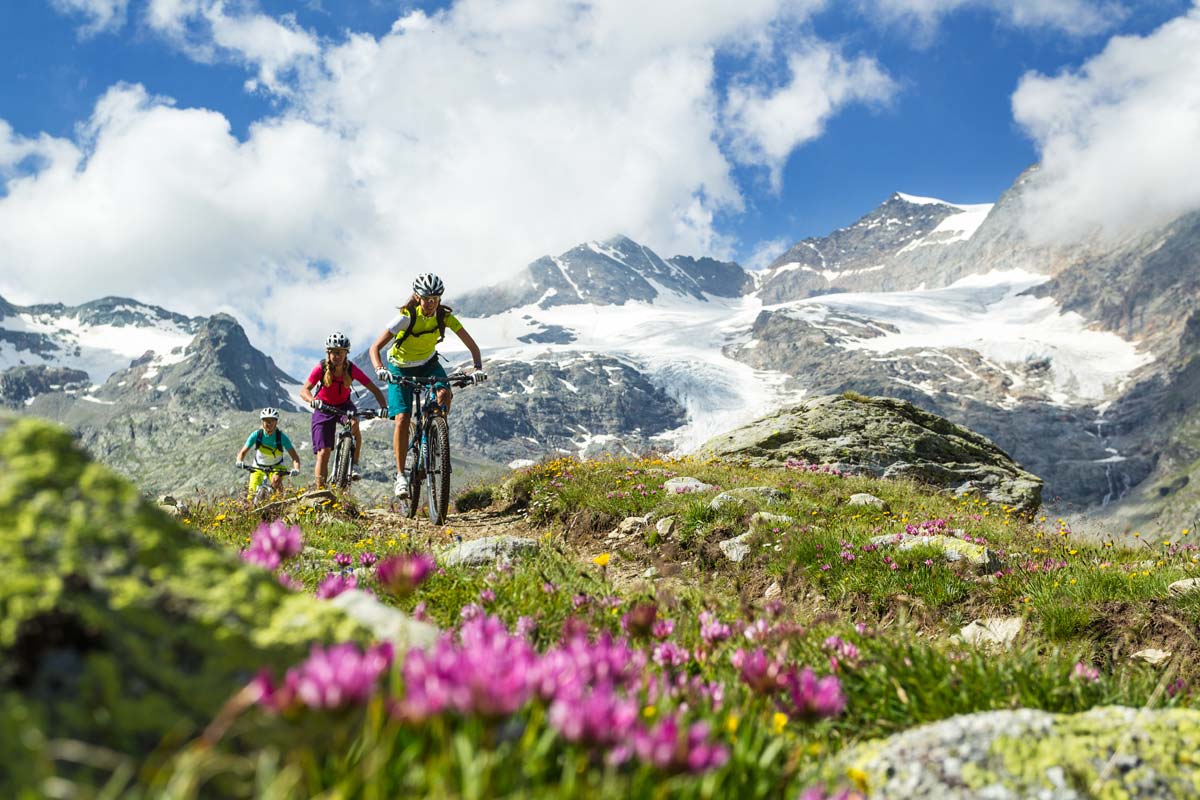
(118, 626)
(1110, 752)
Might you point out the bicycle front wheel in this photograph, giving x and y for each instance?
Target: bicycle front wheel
(414, 477)
(437, 469)
(341, 463)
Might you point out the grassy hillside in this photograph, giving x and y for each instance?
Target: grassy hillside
(633, 658)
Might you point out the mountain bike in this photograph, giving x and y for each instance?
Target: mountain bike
(429, 445)
(343, 452)
(265, 488)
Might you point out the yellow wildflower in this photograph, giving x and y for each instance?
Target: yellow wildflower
(778, 722)
(731, 723)
(602, 559)
(649, 711)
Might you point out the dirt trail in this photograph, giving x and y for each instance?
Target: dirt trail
(465, 526)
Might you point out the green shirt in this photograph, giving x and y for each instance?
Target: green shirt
(419, 346)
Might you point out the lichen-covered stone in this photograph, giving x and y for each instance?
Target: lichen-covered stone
(488, 550)
(884, 437)
(869, 500)
(118, 626)
(748, 496)
(1109, 752)
(951, 548)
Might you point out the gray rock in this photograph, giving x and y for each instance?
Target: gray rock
(864, 499)
(952, 549)
(998, 632)
(885, 437)
(633, 524)
(1026, 753)
(737, 548)
(748, 496)
(686, 485)
(386, 623)
(1184, 587)
(665, 526)
(488, 550)
(772, 591)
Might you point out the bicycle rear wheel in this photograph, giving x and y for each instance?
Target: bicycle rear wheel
(341, 463)
(437, 467)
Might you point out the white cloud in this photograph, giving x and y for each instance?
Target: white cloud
(765, 252)
(206, 31)
(467, 142)
(1074, 17)
(102, 15)
(1118, 137)
(767, 125)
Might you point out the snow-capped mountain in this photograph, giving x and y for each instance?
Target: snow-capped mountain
(612, 272)
(866, 254)
(120, 350)
(46, 347)
(1079, 360)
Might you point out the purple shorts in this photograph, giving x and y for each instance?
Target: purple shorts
(324, 426)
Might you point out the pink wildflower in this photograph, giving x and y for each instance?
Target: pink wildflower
(401, 575)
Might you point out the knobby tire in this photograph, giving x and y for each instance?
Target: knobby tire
(437, 466)
(415, 474)
(341, 466)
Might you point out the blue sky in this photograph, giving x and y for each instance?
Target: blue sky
(201, 154)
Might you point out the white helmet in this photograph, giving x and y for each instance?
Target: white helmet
(428, 284)
(338, 340)
(269, 413)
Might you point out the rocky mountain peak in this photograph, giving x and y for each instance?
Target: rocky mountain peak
(123, 311)
(220, 368)
(610, 272)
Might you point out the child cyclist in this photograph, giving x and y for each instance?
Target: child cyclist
(414, 354)
(269, 444)
(334, 374)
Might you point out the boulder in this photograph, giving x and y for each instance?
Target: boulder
(869, 500)
(1184, 587)
(665, 526)
(884, 437)
(1109, 751)
(488, 550)
(951, 548)
(995, 632)
(748, 496)
(120, 627)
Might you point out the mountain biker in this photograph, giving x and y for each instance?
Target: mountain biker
(335, 374)
(414, 354)
(269, 444)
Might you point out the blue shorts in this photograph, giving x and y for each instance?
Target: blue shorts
(400, 397)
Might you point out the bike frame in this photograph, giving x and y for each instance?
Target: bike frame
(425, 408)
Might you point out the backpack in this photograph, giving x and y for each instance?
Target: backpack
(258, 440)
(410, 311)
(349, 372)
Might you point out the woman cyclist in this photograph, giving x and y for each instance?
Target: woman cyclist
(413, 353)
(334, 375)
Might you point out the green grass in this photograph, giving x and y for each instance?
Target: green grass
(1089, 603)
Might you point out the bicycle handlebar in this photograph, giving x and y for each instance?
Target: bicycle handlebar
(273, 468)
(454, 379)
